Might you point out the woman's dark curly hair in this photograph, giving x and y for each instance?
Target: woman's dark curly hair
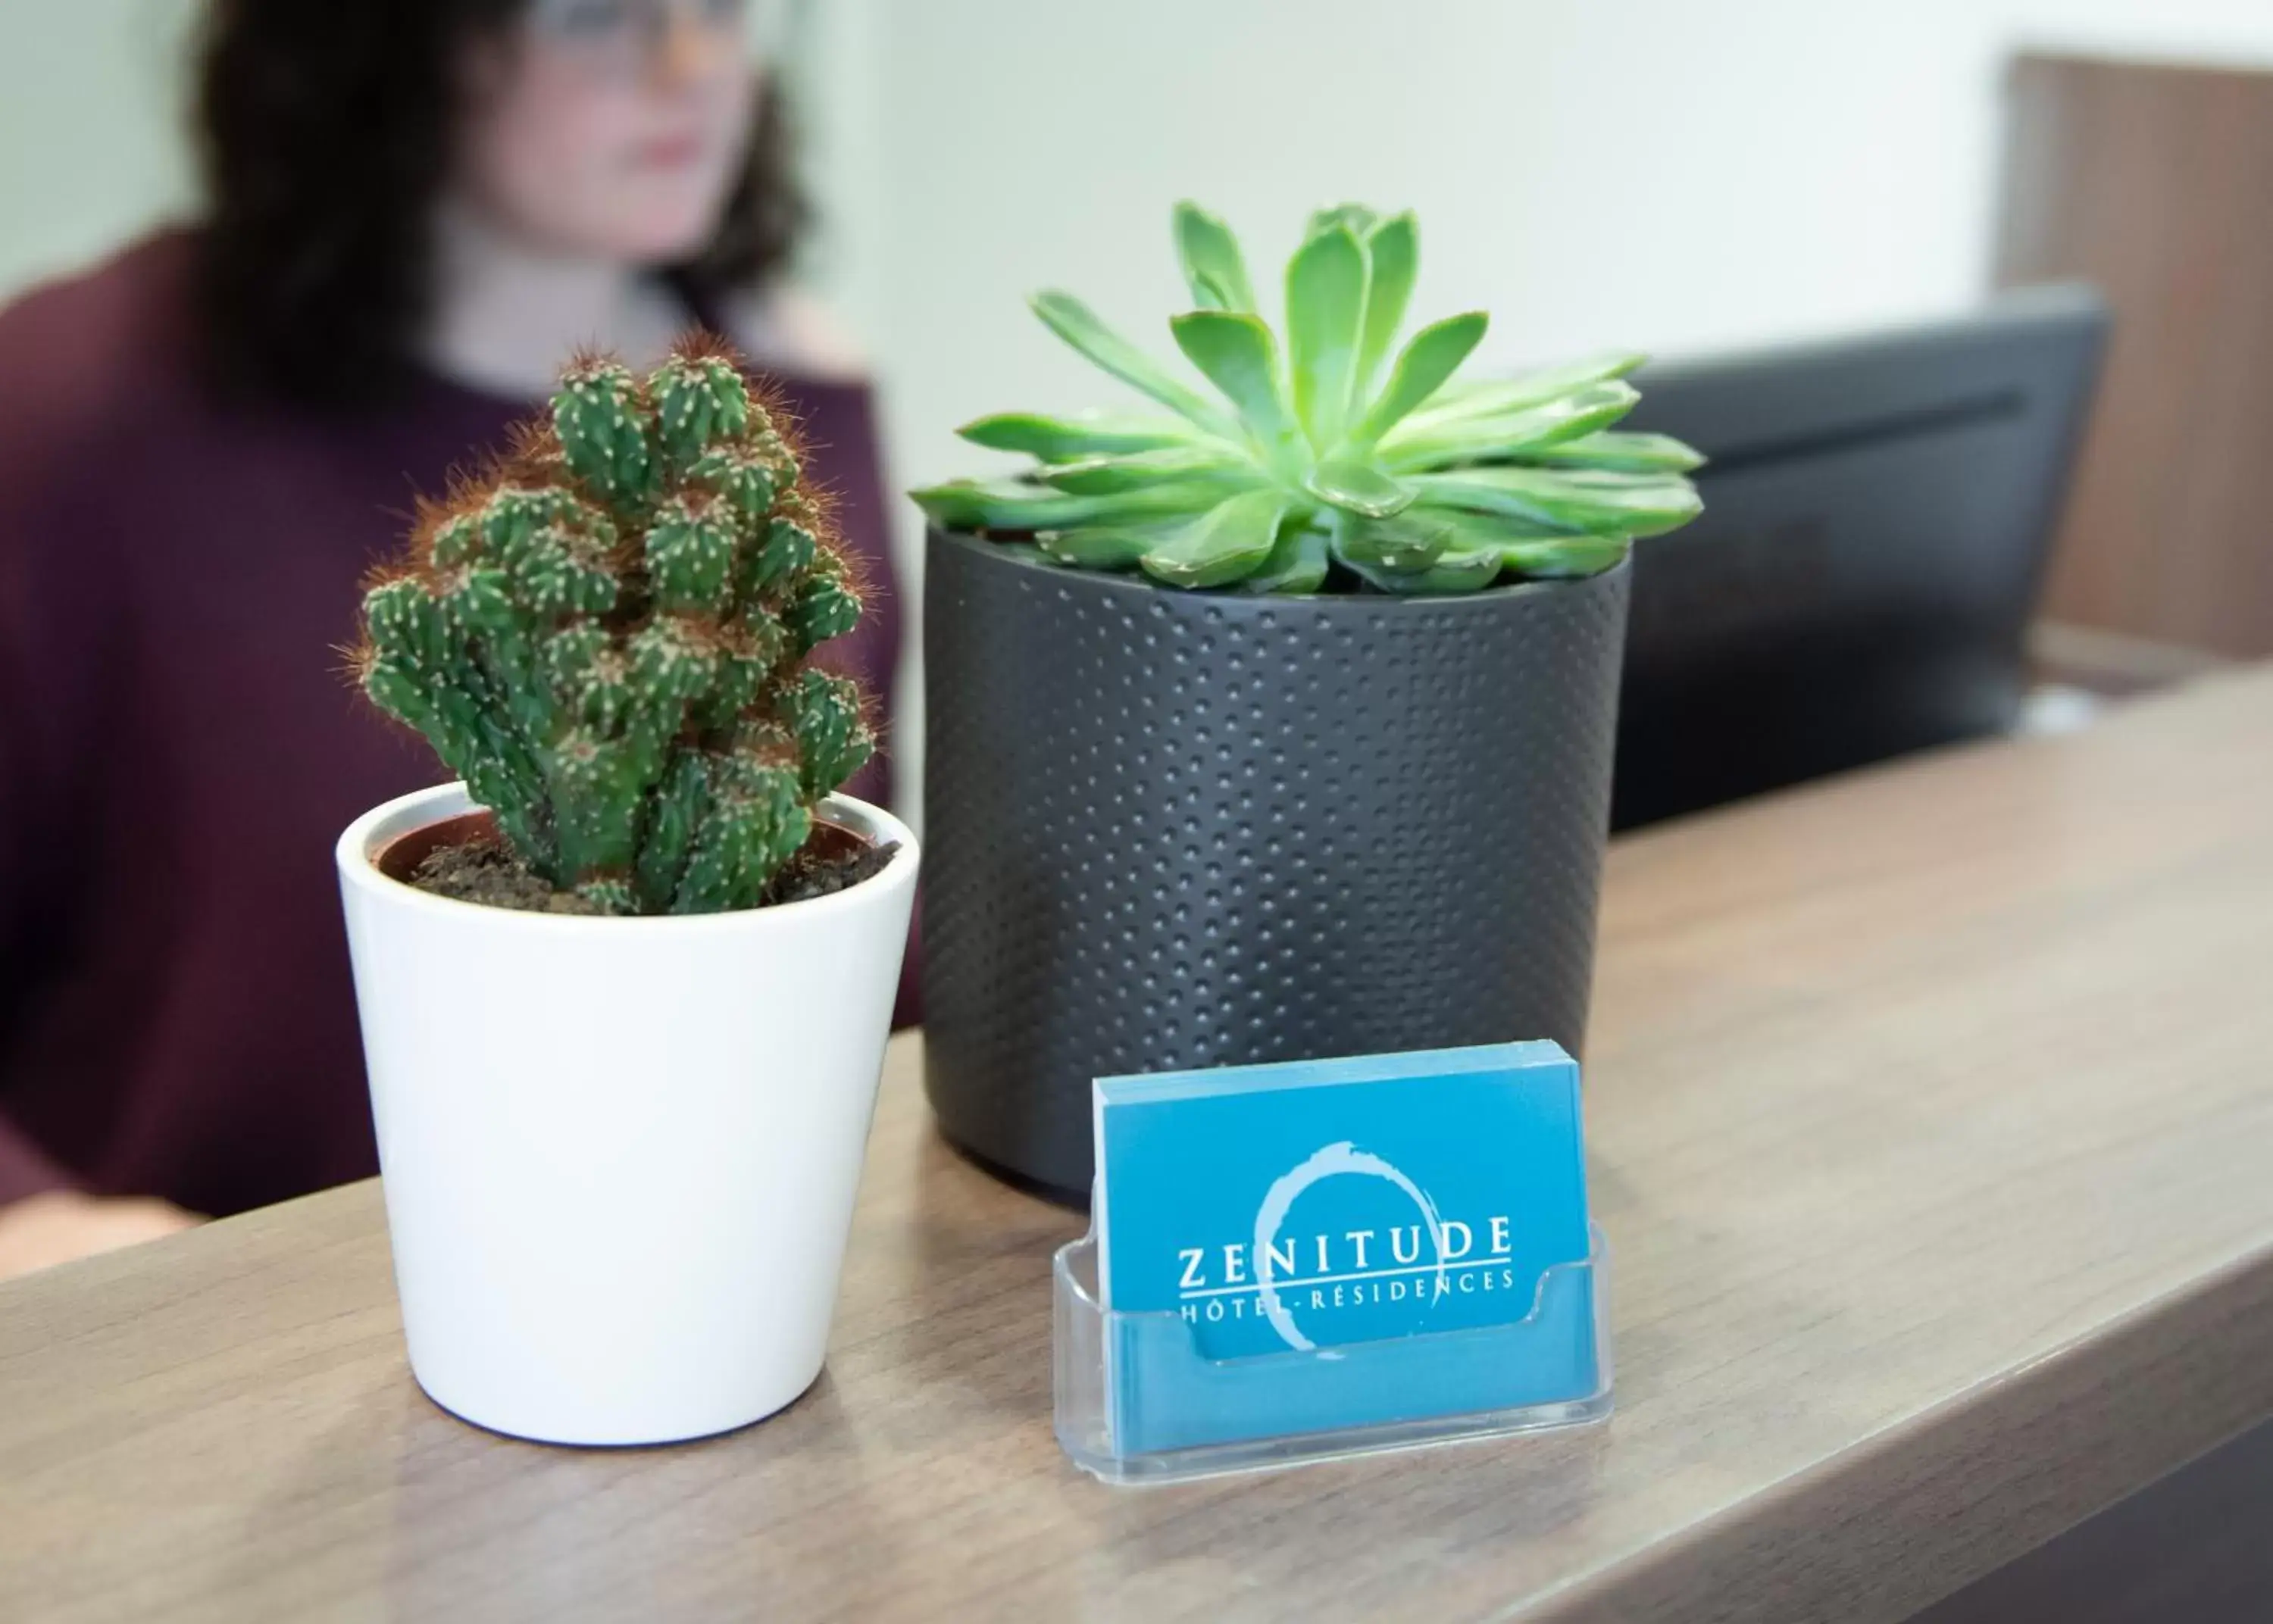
(326, 130)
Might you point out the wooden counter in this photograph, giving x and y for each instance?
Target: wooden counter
(1932, 1128)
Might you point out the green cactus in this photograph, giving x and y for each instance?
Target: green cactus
(1315, 480)
(607, 638)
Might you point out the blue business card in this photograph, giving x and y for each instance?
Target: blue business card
(1279, 1245)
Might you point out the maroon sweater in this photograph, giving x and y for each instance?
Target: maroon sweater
(179, 748)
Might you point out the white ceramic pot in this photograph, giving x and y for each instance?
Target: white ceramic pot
(620, 1154)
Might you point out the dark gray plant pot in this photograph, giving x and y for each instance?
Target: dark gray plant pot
(1167, 830)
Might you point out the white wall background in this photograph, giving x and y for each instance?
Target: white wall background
(1675, 174)
(90, 146)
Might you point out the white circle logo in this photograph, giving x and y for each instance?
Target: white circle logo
(1279, 1199)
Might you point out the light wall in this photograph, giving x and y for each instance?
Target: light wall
(90, 146)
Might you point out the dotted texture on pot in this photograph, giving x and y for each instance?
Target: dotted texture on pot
(1167, 830)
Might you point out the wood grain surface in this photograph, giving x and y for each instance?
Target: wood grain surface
(1931, 1113)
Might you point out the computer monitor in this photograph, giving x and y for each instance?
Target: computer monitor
(1877, 514)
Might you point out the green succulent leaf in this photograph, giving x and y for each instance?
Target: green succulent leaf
(1300, 561)
(1461, 571)
(1015, 506)
(1473, 528)
(1432, 355)
(1065, 439)
(1354, 218)
(1466, 570)
(1566, 559)
(1392, 251)
(1078, 325)
(1325, 319)
(1620, 452)
(1500, 397)
(1455, 440)
(1214, 266)
(1358, 486)
(1099, 547)
(1228, 542)
(1407, 542)
(1566, 417)
(1103, 475)
(1580, 502)
(1240, 357)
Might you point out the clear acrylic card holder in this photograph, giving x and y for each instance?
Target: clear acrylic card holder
(1137, 1402)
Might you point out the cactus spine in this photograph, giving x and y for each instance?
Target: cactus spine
(606, 637)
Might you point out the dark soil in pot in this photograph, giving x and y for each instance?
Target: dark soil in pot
(464, 859)
(1169, 830)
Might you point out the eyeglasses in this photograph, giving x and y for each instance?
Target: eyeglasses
(621, 37)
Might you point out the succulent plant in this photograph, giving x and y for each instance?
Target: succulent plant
(1322, 471)
(606, 635)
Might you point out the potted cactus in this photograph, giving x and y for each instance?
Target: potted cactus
(1278, 725)
(624, 988)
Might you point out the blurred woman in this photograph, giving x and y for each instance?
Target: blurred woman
(415, 209)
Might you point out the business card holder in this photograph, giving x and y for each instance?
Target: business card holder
(1137, 1402)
